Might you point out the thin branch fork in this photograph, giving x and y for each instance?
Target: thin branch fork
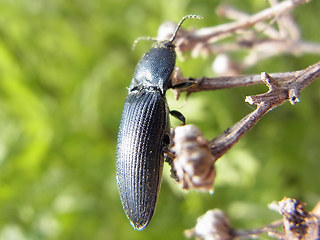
(280, 91)
(269, 13)
(194, 156)
(212, 34)
(256, 33)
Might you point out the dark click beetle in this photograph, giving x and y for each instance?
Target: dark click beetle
(144, 132)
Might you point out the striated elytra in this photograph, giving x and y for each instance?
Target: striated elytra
(144, 132)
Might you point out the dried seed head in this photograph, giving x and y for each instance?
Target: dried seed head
(298, 223)
(213, 225)
(193, 163)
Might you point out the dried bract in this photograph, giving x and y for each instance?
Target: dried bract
(213, 225)
(193, 163)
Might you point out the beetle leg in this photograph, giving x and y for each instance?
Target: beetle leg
(169, 156)
(179, 116)
(186, 84)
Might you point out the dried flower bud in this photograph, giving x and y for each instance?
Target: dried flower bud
(298, 223)
(213, 225)
(193, 163)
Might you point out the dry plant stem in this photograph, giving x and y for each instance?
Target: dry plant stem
(286, 24)
(263, 39)
(279, 92)
(220, 145)
(224, 30)
(286, 38)
(229, 12)
(216, 83)
(205, 84)
(266, 48)
(252, 233)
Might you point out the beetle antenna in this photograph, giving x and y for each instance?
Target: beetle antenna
(180, 23)
(142, 38)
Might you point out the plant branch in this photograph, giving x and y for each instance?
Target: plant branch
(279, 92)
(191, 159)
(213, 34)
(255, 33)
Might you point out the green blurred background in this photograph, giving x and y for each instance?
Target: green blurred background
(64, 69)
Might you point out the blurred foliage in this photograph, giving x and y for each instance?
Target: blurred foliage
(64, 68)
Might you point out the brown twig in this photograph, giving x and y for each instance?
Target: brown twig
(253, 233)
(216, 83)
(280, 90)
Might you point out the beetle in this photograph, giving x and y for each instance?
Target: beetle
(144, 132)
